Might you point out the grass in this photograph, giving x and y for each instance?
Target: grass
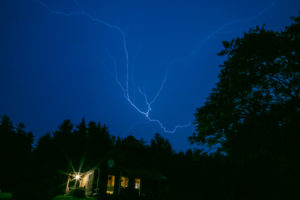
(5, 195)
(63, 197)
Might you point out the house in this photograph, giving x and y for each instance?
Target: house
(114, 180)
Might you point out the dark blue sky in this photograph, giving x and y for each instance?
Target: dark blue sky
(59, 59)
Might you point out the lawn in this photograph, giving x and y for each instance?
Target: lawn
(4, 195)
(63, 197)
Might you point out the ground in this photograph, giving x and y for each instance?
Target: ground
(62, 197)
(4, 195)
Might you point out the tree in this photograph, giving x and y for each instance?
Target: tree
(256, 106)
(15, 149)
(161, 145)
(98, 139)
(260, 74)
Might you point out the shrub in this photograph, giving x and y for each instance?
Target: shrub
(78, 193)
(32, 192)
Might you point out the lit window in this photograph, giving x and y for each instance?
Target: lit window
(110, 184)
(124, 182)
(137, 183)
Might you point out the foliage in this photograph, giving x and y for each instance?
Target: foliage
(68, 147)
(78, 193)
(5, 195)
(260, 76)
(256, 108)
(15, 148)
(31, 191)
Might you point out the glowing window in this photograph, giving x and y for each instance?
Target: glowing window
(124, 182)
(137, 183)
(110, 184)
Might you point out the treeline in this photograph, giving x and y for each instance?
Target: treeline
(16, 154)
(40, 169)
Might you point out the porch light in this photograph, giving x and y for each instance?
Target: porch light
(77, 177)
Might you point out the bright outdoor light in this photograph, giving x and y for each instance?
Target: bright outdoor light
(77, 177)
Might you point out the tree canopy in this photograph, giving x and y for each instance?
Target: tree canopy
(254, 111)
(260, 76)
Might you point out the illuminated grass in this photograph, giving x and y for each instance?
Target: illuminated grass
(62, 197)
(4, 195)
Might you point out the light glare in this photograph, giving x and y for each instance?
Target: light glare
(77, 177)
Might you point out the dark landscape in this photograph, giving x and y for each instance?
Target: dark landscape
(242, 142)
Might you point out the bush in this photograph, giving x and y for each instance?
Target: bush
(32, 192)
(128, 194)
(5, 195)
(78, 193)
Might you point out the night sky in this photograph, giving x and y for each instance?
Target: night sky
(66, 59)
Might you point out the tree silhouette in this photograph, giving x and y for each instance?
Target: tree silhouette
(256, 106)
(15, 149)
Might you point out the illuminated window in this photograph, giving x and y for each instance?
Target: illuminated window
(124, 182)
(110, 184)
(137, 183)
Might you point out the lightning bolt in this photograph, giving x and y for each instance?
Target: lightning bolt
(125, 89)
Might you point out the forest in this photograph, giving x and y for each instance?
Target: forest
(253, 113)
